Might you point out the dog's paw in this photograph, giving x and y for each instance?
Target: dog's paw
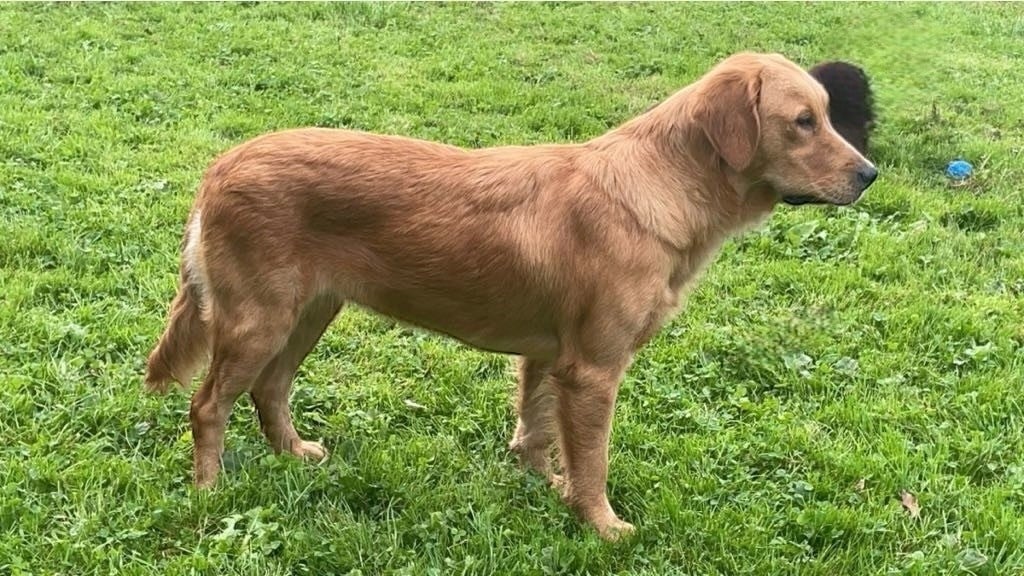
(616, 530)
(307, 450)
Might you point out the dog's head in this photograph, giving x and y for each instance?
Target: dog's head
(767, 119)
(851, 104)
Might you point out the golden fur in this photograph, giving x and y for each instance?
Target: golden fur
(568, 256)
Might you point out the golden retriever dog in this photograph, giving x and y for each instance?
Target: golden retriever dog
(570, 257)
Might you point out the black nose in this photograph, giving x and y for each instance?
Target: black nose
(867, 175)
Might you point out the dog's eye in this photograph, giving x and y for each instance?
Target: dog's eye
(806, 121)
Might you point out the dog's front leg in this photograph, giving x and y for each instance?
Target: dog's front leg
(586, 402)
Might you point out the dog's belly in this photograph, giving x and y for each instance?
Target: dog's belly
(495, 327)
(483, 301)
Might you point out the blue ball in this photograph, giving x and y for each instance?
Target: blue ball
(959, 170)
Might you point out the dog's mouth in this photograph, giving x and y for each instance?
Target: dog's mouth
(800, 200)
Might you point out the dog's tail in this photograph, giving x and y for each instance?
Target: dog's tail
(184, 346)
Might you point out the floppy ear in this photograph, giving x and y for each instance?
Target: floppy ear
(727, 112)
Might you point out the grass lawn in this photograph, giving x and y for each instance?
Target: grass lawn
(828, 361)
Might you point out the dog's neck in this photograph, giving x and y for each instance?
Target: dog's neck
(663, 168)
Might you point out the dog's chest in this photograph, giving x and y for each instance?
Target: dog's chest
(685, 272)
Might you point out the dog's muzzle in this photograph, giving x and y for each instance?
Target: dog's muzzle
(863, 179)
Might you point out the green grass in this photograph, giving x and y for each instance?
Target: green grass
(882, 342)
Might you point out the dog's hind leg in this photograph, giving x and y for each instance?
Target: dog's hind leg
(246, 336)
(535, 429)
(270, 392)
